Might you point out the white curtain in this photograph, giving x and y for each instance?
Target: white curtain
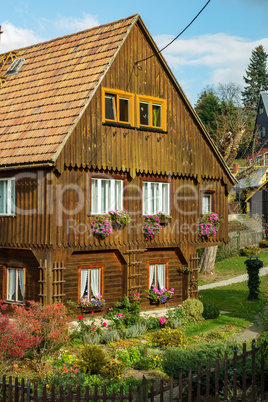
(11, 284)
(151, 275)
(161, 276)
(20, 275)
(84, 275)
(95, 281)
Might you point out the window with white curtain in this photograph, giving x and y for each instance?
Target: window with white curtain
(157, 275)
(106, 195)
(90, 282)
(155, 197)
(7, 196)
(15, 284)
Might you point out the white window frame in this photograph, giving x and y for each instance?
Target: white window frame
(8, 196)
(265, 159)
(16, 284)
(160, 203)
(259, 159)
(209, 197)
(111, 203)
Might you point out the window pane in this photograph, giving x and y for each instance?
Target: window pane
(151, 275)
(20, 285)
(144, 113)
(157, 115)
(165, 198)
(95, 281)
(123, 110)
(84, 283)
(3, 196)
(110, 107)
(145, 199)
(94, 196)
(118, 195)
(161, 276)
(12, 197)
(206, 204)
(11, 277)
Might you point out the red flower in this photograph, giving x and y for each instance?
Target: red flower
(80, 317)
(92, 312)
(104, 324)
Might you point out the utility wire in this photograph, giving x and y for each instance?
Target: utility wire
(159, 51)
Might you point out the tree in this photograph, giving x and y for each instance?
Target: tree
(228, 124)
(256, 79)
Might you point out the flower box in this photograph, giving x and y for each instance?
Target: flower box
(154, 302)
(88, 310)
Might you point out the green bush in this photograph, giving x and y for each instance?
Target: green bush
(210, 310)
(263, 244)
(248, 250)
(253, 266)
(92, 360)
(224, 251)
(114, 368)
(125, 313)
(192, 310)
(167, 337)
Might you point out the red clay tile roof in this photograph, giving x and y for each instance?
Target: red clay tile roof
(59, 79)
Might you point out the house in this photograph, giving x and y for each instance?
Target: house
(259, 146)
(91, 122)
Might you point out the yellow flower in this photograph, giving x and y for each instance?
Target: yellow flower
(47, 386)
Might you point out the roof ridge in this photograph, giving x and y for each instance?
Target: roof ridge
(74, 33)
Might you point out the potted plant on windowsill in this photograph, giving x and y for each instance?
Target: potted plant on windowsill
(209, 224)
(151, 226)
(119, 219)
(163, 218)
(101, 226)
(95, 303)
(157, 296)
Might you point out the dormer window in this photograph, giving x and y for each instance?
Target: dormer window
(15, 66)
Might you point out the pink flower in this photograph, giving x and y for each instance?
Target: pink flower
(80, 317)
(94, 328)
(104, 324)
(92, 312)
(119, 314)
(162, 320)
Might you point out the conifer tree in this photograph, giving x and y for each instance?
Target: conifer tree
(256, 79)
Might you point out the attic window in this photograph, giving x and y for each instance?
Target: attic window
(75, 49)
(15, 66)
(37, 110)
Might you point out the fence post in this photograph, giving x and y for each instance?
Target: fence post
(143, 397)
(171, 388)
(28, 391)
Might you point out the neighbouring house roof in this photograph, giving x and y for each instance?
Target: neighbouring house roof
(254, 179)
(41, 103)
(264, 97)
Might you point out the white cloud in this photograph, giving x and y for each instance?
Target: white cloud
(15, 37)
(224, 56)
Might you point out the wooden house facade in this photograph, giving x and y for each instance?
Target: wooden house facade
(85, 127)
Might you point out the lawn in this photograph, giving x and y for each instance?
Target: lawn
(233, 298)
(229, 268)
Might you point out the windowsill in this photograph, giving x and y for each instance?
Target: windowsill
(121, 125)
(7, 215)
(13, 302)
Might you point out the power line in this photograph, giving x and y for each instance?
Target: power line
(197, 15)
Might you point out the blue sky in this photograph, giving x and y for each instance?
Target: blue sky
(215, 49)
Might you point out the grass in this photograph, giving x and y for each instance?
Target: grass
(229, 268)
(233, 298)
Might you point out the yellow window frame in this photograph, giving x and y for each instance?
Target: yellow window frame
(118, 94)
(153, 101)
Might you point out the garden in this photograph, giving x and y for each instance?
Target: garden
(54, 347)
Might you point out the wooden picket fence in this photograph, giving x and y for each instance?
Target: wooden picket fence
(196, 387)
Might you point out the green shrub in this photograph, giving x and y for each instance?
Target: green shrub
(167, 337)
(114, 368)
(248, 250)
(263, 244)
(210, 310)
(192, 310)
(174, 317)
(92, 360)
(152, 323)
(135, 330)
(253, 266)
(125, 313)
(112, 335)
(177, 360)
(224, 251)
